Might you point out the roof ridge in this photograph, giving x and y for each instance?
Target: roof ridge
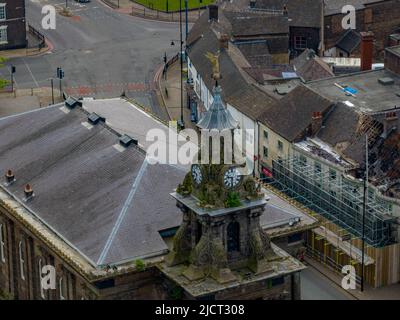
(123, 212)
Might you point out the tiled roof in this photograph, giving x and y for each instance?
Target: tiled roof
(86, 189)
(291, 116)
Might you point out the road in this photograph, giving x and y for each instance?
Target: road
(102, 52)
(315, 286)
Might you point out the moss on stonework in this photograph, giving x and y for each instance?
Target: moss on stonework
(140, 265)
(5, 295)
(186, 187)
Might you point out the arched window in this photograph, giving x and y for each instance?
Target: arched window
(233, 234)
(199, 232)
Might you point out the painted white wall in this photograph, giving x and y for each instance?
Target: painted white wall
(244, 121)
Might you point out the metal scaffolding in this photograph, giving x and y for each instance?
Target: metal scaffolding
(337, 200)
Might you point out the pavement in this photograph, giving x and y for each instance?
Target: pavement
(104, 53)
(170, 92)
(23, 100)
(391, 292)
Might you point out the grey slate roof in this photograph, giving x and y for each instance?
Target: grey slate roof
(311, 67)
(291, 116)
(335, 6)
(236, 90)
(85, 189)
(301, 13)
(349, 41)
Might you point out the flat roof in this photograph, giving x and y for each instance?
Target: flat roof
(368, 94)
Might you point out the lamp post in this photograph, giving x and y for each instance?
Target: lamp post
(186, 19)
(13, 70)
(52, 90)
(181, 60)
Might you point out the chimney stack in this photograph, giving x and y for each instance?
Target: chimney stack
(224, 42)
(213, 12)
(367, 50)
(285, 10)
(10, 177)
(316, 122)
(28, 191)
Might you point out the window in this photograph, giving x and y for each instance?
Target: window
(280, 145)
(3, 11)
(3, 34)
(2, 244)
(303, 161)
(233, 234)
(60, 284)
(21, 260)
(265, 135)
(40, 279)
(265, 152)
(332, 174)
(249, 137)
(317, 168)
(300, 42)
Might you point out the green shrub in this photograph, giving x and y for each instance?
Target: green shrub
(140, 265)
(233, 200)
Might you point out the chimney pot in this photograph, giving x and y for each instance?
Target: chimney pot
(28, 191)
(10, 177)
(367, 50)
(224, 42)
(316, 122)
(213, 12)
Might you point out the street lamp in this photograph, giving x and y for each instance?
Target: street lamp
(182, 124)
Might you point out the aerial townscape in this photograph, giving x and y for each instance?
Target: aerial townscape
(199, 150)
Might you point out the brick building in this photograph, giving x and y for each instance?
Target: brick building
(98, 225)
(12, 24)
(382, 17)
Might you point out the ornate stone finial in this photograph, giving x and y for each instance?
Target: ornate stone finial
(214, 59)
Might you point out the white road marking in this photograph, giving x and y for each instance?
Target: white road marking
(30, 71)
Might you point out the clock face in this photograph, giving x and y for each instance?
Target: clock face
(232, 178)
(197, 175)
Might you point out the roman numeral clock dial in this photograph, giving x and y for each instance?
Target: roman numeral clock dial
(232, 178)
(197, 175)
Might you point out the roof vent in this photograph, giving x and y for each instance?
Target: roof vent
(386, 81)
(126, 141)
(94, 118)
(10, 177)
(28, 192)
(71, 102)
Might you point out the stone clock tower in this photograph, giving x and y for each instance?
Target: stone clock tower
(221, 209)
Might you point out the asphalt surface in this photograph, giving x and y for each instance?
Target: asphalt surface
(315, 286)
(102, 52)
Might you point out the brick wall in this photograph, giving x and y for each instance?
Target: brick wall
(392, 61)
(382, 19)
(16, 24)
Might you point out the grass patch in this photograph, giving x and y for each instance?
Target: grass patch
(173, 5)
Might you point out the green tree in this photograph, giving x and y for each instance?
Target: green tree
(3, 82)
